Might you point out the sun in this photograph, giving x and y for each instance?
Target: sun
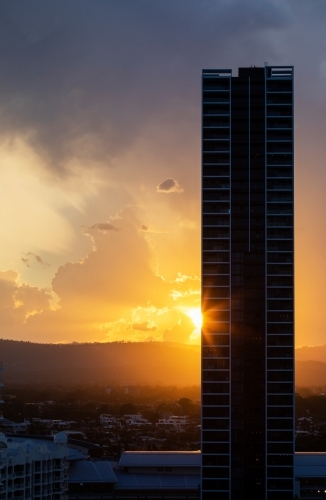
(195, 314)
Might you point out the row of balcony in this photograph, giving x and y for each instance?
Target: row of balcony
(241, 198)
(220, 209)
(273, 99)
(225, 134)
(213, 159)
(215, 221)
(273, 269)
(222, 182)
(224, 108)
(271, 90)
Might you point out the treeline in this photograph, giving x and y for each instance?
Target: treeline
(85, 403)
(61, 393)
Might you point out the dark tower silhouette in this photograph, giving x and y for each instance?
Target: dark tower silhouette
(247, 284)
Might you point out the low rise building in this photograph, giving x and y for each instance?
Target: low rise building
(50, 423)
(136, 420)
(109, 422)
(14, 427)
(158, 474)
(174, 421)
(43, 468)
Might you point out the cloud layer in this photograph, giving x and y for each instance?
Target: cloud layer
(112, 294)
(100, 110)
(87, 82)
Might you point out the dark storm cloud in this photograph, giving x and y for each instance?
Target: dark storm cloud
(169, 186)
(84, 78)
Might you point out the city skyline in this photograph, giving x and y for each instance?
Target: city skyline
(100, 157)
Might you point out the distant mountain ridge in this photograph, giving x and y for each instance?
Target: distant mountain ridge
(310, 374)
(310, 363)
(315, 353)
(144, 363)
(136, 363)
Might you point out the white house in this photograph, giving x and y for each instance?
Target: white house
(175, 421)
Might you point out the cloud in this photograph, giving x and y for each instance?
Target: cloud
(146, 326)
(189, 224)
(39, 260)
(148, 229)
(181, 278)
(113, 293)
(104, 288)
(18, 302)
(125, 257)
(169, 186)
(113, 91)
(104, 227)
(122, 330)
(68, 68)
(36, 257)
(181, 331)
(177, 294)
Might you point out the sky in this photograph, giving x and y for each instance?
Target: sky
(100, 160)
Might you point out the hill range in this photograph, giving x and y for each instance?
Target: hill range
(144, 363)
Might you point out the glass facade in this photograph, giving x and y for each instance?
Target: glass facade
(247, 284)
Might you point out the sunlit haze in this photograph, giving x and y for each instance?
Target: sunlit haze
(100, 161)
(196, 316)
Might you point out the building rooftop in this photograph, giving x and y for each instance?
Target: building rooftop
(86, 471)
(310, 464)
(160, 459)
(156, 481)
(74, 452)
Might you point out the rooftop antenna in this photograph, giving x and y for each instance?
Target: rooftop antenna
(1, 385)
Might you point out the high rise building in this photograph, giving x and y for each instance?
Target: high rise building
(32, 470)
(247, 284)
